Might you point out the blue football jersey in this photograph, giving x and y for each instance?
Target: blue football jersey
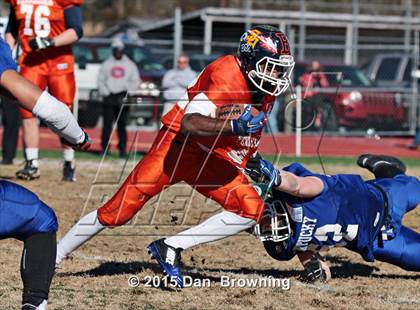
(22, 213)
(348, 213)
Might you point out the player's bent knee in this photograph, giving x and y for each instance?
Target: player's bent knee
(45, 220)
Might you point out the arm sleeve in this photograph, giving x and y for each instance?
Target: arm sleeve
(73, 19)
(13, 25)
(201, 104)
(59, 118)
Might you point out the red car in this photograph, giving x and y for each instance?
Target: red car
(351, 101)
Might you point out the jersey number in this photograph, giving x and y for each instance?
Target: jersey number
(338, 235)
(42, 26)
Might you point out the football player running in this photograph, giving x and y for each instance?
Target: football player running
(204, 151)
(45, 31)
(310, 212)
(22, 215)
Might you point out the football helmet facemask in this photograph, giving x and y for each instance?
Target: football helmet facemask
(274, 224)
(264, 53)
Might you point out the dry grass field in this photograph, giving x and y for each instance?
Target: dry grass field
(96, 276)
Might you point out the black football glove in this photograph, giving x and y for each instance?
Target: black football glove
(38, 43)
(83, 146)
(253, 169)
(313, 271)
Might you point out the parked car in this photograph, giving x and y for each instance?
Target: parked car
(90, 53)
(353, 103)
(391, 70)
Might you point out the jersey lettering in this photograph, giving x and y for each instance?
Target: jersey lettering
(42, 26)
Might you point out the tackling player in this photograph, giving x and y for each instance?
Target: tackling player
(22, 214)
(310, 212)
(24, 217)
(45, 29)
(206, 152)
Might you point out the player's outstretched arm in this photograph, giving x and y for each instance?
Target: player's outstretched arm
(53, 112)
(290, 183)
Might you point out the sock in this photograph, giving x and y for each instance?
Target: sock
(31, 153)
(37, 267)
(87, 227)
(68, 154)
(219, 226)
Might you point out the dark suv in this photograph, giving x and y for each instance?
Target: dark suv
(89, 53)
(352, 102)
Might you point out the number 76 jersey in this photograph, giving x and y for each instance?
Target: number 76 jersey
(42, 18)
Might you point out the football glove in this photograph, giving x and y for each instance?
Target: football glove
(313, 271)
(83, 146)
(38, 43)
(247, 124)
(253, 169)
(271, 174)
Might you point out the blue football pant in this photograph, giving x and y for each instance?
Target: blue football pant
(404, 250)
(22, 213)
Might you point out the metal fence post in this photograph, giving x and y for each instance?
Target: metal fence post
(298, 145)
(177, 35)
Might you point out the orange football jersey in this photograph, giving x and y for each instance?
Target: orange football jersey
(43, 18)
(221, 82)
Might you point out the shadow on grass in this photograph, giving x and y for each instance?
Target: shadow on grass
(343, 268)
(348, 269)
(120, 268)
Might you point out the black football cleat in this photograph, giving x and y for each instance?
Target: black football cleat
(382, 166)
(29, 172)
(69, 171)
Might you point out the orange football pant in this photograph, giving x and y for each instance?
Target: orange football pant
(170, 160)
(62, 86)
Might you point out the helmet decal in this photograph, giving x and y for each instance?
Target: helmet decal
(269, 44)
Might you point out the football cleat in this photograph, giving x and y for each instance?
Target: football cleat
(382, 166)
(30, 171)
(69, 171)
(42, 306)
(168, 258)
